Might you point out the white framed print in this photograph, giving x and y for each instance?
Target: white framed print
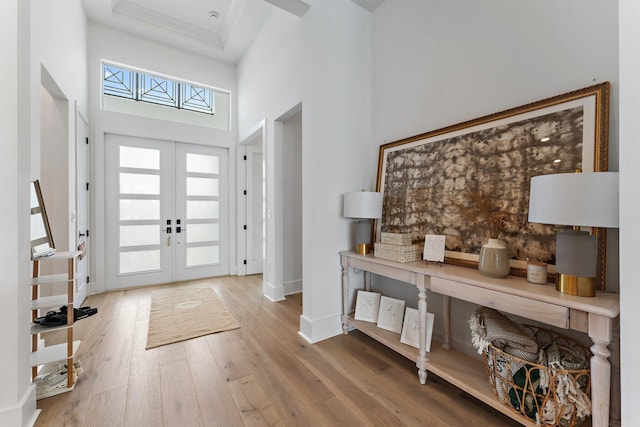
(411, 329)
(390, 314)
(367, 306)
(434, 247)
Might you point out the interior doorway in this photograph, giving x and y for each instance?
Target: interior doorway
(290, 151)
(51, 164)
(283, 258)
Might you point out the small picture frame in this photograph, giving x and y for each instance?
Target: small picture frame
(411, 328)
(390, 314)
(367, 306)
(434, 247)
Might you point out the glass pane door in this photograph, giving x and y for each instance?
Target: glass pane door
(201, 208)
(139, 193)
(167, 211)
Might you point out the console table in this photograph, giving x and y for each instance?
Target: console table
(541, 303)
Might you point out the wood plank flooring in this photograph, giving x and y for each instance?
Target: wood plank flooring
(263, 374)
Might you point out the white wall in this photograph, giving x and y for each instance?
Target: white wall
(59, 64)
(17, 398)
(629, 207)
(324, 60)
(105, 43)
(267, 89)
(441, 63)
(59, 33)
(35, 34)
(336, 150)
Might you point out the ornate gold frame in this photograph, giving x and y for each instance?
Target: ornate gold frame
(594, 104)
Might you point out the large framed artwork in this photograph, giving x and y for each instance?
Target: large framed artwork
(436, 182)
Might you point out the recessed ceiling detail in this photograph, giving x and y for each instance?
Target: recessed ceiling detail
(187, 25)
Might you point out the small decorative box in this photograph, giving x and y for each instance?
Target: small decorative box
(398, 253)
(395, 238)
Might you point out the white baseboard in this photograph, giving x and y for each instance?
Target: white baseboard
(25, 414)
(273, 293)
(319, 330)
(293, 287)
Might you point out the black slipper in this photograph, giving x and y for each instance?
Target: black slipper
(80, 313)
(52, 318)
(90, 311)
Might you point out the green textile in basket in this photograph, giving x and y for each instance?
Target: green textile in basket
(530, 400)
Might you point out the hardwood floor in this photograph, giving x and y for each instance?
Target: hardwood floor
(263, 374)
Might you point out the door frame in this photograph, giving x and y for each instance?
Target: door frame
(83, 288)
(170, 173)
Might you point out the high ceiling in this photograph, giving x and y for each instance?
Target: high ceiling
(187, 24)
(220, 29)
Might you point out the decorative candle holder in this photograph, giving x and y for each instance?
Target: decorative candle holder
(537, 272)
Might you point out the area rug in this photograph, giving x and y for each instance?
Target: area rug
(184, 312)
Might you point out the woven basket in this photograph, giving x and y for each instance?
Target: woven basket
(396, 238)
(521, 384)
(398, 253)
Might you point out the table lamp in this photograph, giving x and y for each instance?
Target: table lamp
(587, 199)
(363, 206)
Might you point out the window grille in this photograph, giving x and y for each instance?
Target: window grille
(138, 86)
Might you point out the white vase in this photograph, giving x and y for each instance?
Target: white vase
(494, 259)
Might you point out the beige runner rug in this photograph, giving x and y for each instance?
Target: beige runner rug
(183, 312)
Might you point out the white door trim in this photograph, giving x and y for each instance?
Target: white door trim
(83, 206)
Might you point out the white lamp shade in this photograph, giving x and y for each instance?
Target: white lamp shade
(587, 199)
(363, 204)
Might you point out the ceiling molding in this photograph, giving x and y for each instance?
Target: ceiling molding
(297, 7)
(129, 10)
(370, 5)
(190, 27)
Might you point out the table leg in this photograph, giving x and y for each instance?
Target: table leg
(345, 297)
(600, 331)
(446, 314)
(421, 361)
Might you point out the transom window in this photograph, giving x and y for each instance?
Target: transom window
(145, 87)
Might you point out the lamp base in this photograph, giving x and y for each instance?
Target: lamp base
(362, 234)
(576, 285)
(363, 248)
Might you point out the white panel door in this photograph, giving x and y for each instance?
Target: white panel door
(139, 203)
(167, 211)
(82, 209)
(255, 211)
(201, 227)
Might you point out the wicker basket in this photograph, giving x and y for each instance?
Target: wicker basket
(398, 253)
(522, 385)
(396, 238)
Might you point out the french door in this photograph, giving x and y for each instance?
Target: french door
(167, 211)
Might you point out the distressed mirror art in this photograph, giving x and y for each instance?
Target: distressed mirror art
(470, 181)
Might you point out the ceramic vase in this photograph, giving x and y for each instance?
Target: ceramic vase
(494, 259)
